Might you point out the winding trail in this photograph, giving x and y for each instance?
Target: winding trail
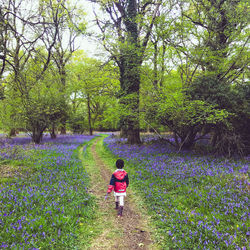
(128, 232)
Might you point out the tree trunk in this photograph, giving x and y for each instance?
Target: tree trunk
(214, 138)
(131, 123)
(126, 17)
(155, 60)
(63, 128)
(53, 132)
(131, 75)
(134, 136)
(89, 115)
(176, 138)
(187, 142)
(124, 132)
(37, 138)
(163, 68)
(121, 63)
(12, 132)
(37, 135)
(62, 72)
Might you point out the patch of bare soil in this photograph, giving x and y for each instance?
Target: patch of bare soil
(126, 232)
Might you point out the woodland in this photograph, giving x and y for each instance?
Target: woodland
(178, 67)
(166, 90)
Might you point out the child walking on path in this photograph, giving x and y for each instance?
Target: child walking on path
(119, 182)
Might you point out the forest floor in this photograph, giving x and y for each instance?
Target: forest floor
(131, 231)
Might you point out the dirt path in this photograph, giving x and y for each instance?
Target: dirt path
(127, 232)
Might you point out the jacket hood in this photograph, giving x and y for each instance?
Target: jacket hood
(120, 174)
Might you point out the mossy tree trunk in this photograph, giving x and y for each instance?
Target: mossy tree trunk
(127, 19)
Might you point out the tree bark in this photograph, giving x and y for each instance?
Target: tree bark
(53, 132)
(134, 136)
(12, 132)
(124, 15)
(189, 142)
(123, 133)
(89, 116)
(131, 76)
(37, 133)
(63, 128)
(155, 61)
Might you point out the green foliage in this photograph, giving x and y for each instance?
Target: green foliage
(1, 91)
(230, 137)
(35, 60)
(92, 90)
(192, 78)
(110, 119)
(77, 121)
(220, 29)
(186, 118)
(36, 105)
(207, 43)
(150, 96)
(211, 90)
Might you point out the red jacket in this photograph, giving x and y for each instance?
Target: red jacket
(119, 181)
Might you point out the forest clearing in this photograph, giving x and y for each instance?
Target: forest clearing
(55, 199)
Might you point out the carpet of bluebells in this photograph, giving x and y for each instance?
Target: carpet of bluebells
(197, 202)
(42, 210)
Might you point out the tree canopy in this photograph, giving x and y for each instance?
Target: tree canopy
(176, 66)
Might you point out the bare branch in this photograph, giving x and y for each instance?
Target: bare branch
(149, 30)
(232, 65)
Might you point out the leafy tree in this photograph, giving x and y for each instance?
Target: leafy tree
(9, 113)
(210, 89)
(208, 44)
(188, 120)
(93, 85)
(69, 22)
(235, 99)
(128, 20)
(3, 39)
(35, 42)
(22, 32)
(77, 121)
(208, 36)
(42, 106)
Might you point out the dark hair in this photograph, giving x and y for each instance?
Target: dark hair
(119, 163)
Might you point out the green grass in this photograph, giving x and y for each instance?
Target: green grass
(91, 228)
(99, 224)
(133, 191)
